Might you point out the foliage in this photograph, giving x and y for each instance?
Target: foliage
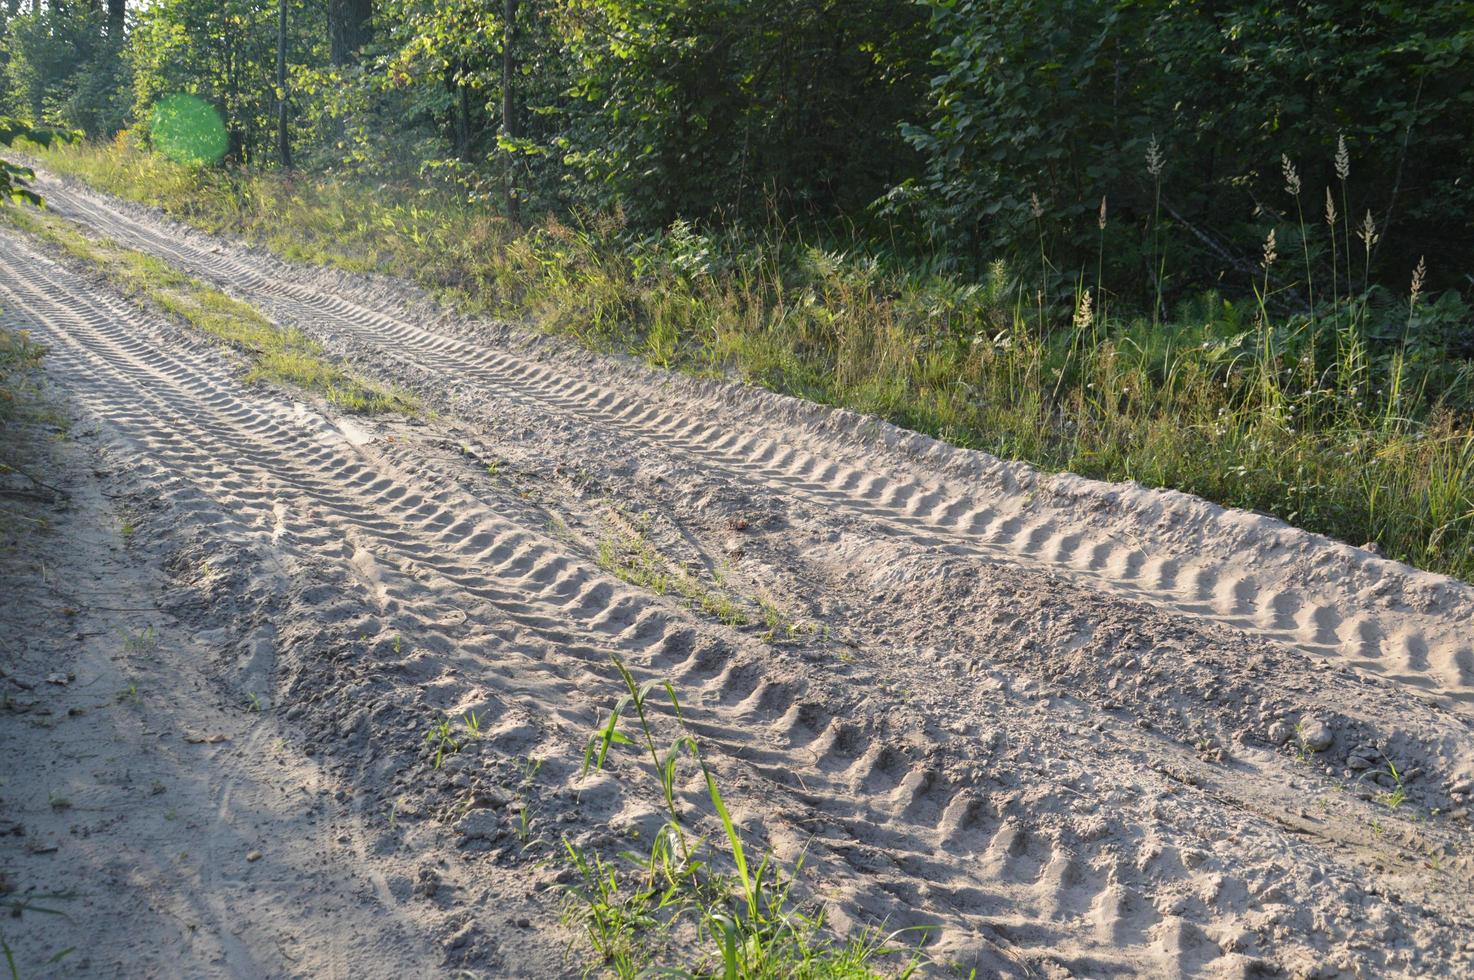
(1057, 184)
(981, 128)
(14, 178)
(223, 51)
(63, 70)
(692, 108)
(1061, 99)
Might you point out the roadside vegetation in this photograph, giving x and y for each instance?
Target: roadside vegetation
(1347, 419)
(277, 355)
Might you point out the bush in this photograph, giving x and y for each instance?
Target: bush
(1062, 99)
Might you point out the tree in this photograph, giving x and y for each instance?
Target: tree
(350, 27)
(225, 52)
(65, 71)
(283, 138)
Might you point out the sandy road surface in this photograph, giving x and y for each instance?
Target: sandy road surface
(1054, 719)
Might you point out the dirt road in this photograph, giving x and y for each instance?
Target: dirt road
(1075, 728)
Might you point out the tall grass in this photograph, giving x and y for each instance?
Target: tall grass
(1305, 415)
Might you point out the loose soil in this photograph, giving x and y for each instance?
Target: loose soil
(1072, 728)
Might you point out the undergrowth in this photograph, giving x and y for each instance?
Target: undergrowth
(19, 355)
(278, 355)
(1349, 418)
(747, 920)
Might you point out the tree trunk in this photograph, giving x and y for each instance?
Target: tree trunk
(350, 27)
(283, 144)
(463, 132)
(509, 106)
(116, 9)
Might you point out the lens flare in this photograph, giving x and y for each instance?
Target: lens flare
(187, 129)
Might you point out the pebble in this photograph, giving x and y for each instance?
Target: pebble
(1316, 734)
(253, 856)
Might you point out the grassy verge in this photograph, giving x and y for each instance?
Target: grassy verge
(1319, 419)
(20, 357)
(280, 356)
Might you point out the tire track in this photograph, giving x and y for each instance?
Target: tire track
(907, 838)
(1425, 652)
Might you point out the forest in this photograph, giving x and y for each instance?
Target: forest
(1213, 246)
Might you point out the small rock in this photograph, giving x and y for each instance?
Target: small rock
(480, 825)
(1358, 763)
(428, 884)
(1316, 735)
(1279, 733)
(253, 856)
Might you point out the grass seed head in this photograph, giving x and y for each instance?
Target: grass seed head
(1154, 159)
(1292, 176)
(1368, 231)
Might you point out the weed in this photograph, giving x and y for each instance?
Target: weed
(749, 919)
(57, 801)
(253, 702)
(17, 908)
(443, 739)
(524, 826)
(127, 529)
(529, 769)
(1303, 751)
(1394, 798)
(129, 693)
(145, 640)
(781, 626)
(626, 552)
